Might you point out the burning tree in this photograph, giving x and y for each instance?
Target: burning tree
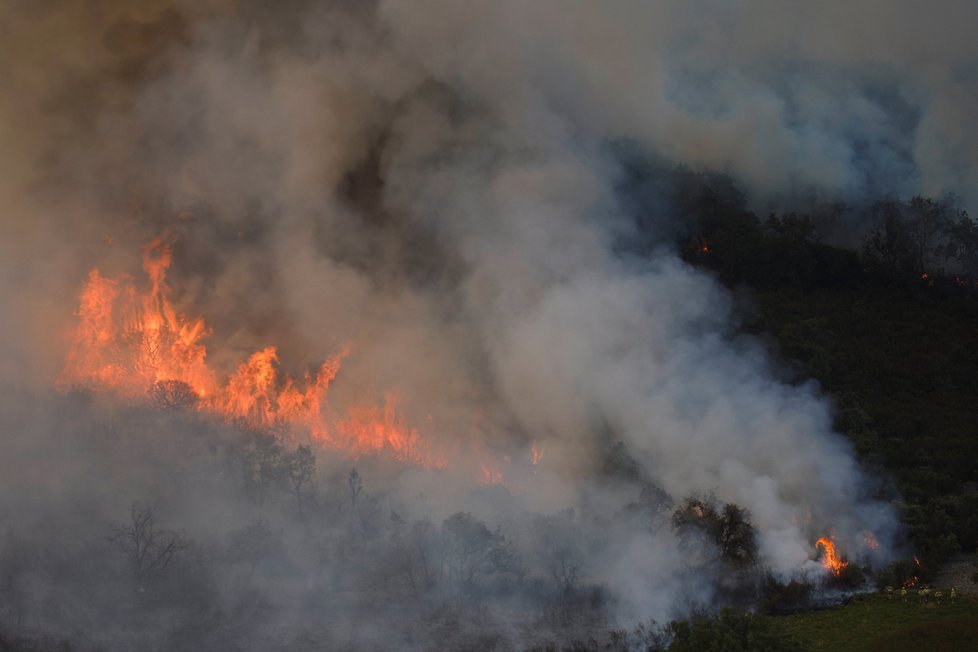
(131, 340)
(729, 529)
(173, 395)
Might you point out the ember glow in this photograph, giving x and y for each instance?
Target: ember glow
(491, 473)
(831, 559)
(132, 342)
(870, 540)
(536, 454)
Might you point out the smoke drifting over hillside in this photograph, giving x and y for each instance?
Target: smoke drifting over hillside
(433, 184)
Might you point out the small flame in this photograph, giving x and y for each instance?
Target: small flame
(491, 474)
(831, 560)
(913, 578)
(536, 453)
(870, 540)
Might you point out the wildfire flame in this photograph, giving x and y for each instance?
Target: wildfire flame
(131, 341)
(913, 578)
(536, 454)
(870, 540)
(831, 559)
(491, 473)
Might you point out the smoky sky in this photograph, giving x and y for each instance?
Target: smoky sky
(434, 184)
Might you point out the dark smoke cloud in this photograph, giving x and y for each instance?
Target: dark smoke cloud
(434, 183)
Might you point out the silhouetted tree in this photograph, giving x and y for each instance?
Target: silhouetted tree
(425, 547)
(963, 243)
(471, 550)
(300, 471)
(558, 548)
(148, 548)
(172, 395)
(264, 464)
(911, 238)
(729, 529)
(927, 221)
(356, 486)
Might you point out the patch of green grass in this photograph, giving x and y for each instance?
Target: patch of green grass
(875, 622)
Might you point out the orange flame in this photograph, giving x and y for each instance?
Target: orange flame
(831, 560)
(491, 473)
(870, 540)
(375, 429)
(536, 453)
(130, 340)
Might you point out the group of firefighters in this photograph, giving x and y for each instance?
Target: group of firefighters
(924, 594)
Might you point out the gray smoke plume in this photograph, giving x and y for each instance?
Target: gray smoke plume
(433, 183)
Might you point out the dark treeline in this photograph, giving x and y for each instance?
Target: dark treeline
(904, 244)
(886, 326)
(831, 244)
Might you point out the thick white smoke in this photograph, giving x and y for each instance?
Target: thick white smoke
(433, 183)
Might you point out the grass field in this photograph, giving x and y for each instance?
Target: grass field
(874, 622)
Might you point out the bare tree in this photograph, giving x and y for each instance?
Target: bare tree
(301, 471)
(148, 548)
(172, 395)
(962, 244)
(356, 486)
(562, 557)
(424, 545)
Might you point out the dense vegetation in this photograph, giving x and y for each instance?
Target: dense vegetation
(888, 330)
(874, 622)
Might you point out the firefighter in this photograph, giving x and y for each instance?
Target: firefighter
(889, 592)
(954, 594)
(903, 594)
(938, 594)
(924, 594)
